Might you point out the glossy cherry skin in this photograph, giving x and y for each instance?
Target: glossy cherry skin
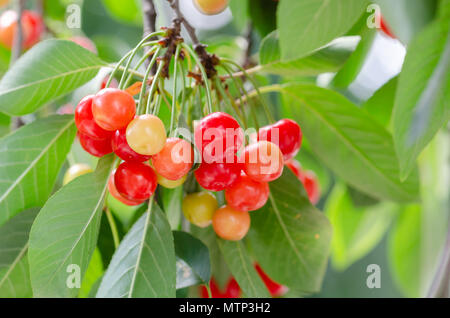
(97, 148)
(263, 161)
(275, 289)
(122, 149)
(84, 120)
(199, 208)
(286, 134)
(84, 42)
(32, 28)
(113, 108)
(230, 224)
(211, 7)
(218, 136)
(175, 160)
(113, 191)
(146, 135)
(170, 184)
(75, 171)
(308, 178)
(247, 194)
(135, 181)
(217, 176)
(232, 289)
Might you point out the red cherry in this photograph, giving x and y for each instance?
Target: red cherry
(113, 108)
(286, 134)
(247, 194)
(84, 120)
(275, 289)
(122, 149)
(135, 181)
(32, 28)
(96, 147)
(84, 42)
(308, 178)
(218, 136)
(263, 161)
(385, 28)
(175, 160)
(232, 289)
(113, 84)
(217, 176)
(113, 191)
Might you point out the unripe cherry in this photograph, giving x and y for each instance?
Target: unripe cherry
(230, 224)
(95, 147)
(211, 7)
(175, 159)
(170, 184)
(198, 208)
(123, 150)
(217, 176)
(113, 191)
(247, 194)
(146, 135)
(286, 134)
(113, 108)
(75, 171)
(84, 120)
(135, 181)
(263, 161)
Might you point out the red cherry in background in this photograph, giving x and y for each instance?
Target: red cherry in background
(175, 160)
(286, 134)
(84, 120)
(218, 129)
(84, 42)
(113, 191)
(32, 28)
(113, 108)
(263, 161)
(122, 149)
(232, 289)
(275, 289)
(218, 176)
(308, 178)
(135, 181)
(96, 147)
(247, 194)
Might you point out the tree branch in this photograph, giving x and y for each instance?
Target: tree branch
(149, 21)
(175, 5)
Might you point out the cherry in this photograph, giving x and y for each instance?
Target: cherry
(84, 42)
(232, 289)
(385, 28)
(84, 120)
(231, 224)
(113, 108)
(247, 194)
(135, 181)
(286, 134)
(211, 7)
(32, 28)
(175, 159)
(308, 178)
(75, 171)
(170, 184)
(146, 135)
(113, 84)
(218, 136)
(217, 176)
(113, 191)
(263, 161)
(199, 208)
(275, 289)
(122, 149)
(96, 147)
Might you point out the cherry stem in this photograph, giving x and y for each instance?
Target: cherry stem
(146, 76)
(112, 224)
(174, 94)
(208, 289)
(153, 86)
(139, 63)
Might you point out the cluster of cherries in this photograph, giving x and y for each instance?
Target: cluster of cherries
(107, 123)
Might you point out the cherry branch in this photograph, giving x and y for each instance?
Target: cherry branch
(149, 21)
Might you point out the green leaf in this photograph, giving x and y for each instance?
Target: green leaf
(261, 14)
(356, 231)
(329, 59)
(349, 142)
(171, 202)
(307, 25)
(144, 263)
(289, 237)
(5, 123)
(241, 266)
(125, 11)
(14, 276)
(240, 9)
(381, 104)
(193, 265)
(49, 70)
(30, 159)
(422, 103)
(93, 273)
(65, 232)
